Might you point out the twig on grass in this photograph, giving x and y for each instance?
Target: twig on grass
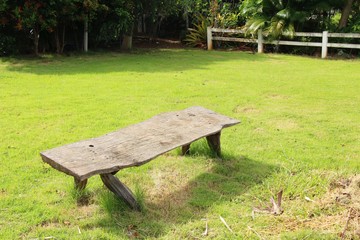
(257, 234)
(205, 233)
(346, 224)
(226, 225)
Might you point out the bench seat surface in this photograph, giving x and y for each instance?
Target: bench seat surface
(136, 144)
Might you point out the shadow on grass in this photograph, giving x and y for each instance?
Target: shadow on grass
(155, 60)
(224, 182)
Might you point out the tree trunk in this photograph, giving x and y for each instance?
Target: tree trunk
(57, 40)
(158, 29)
(214, 12)
(36, 40)
(76, 39)
(63, 40)
(127, 42)
(60, 38)
(187, 22)
(345, 14)
(86, 35)
(127, 39)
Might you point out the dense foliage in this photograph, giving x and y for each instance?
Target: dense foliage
(279, 17)
(60, 25)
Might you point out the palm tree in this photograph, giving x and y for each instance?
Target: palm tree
(279, 17)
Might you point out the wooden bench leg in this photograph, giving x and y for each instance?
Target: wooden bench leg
(185, 149)
(120, 190)
(214, 142)
(80, 185)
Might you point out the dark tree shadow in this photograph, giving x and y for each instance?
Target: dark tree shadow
(155, 60)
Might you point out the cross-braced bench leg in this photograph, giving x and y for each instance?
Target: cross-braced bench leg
(80, 185)
(214, 142)
(120, 190)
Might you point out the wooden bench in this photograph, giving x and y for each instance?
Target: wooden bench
(135, 145)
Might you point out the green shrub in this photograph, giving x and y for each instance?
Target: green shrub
(197, 35)
(7, 45)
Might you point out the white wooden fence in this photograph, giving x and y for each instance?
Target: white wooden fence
(324, 44)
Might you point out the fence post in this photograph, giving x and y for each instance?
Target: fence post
(260, 42)
(209, 39)
(324, 48)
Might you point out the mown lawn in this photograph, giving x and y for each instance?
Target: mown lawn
(300, 132)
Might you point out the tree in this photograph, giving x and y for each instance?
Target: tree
(278, 17)
(3, 5)
(3, 9)
(65, 13)
(345, 13)
(274, 17)
(89, 9)
(33, 16)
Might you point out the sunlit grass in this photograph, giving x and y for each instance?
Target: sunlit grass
(300, 130)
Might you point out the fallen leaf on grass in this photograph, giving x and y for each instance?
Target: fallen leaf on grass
(131, 232)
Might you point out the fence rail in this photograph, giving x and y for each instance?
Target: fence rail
(324, 44)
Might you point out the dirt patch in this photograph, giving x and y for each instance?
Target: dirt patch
(347, 192)
(3, 192)
(246, 110)
(50, 224)
(169, 192)
(259, 130)
(167, 185)
(147, 42)
(285, 124)
(85, 212)
(337, 213)
(277, 96)
(344, 195)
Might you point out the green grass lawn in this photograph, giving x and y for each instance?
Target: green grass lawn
(300, 132)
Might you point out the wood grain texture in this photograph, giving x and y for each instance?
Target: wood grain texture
(136, 144)
(120, 190)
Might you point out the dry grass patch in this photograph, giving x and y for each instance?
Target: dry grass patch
(344, 195)
(246, 110)
(337, 213)
(285, 124)
(277, 96)
(166, 184)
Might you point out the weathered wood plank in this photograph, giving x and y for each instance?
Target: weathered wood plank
(343, 45)
(344, 35)
(221, 30)
(296, 43)
(307, 34)
(234, 39)
(120, 190)
(136, 144)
